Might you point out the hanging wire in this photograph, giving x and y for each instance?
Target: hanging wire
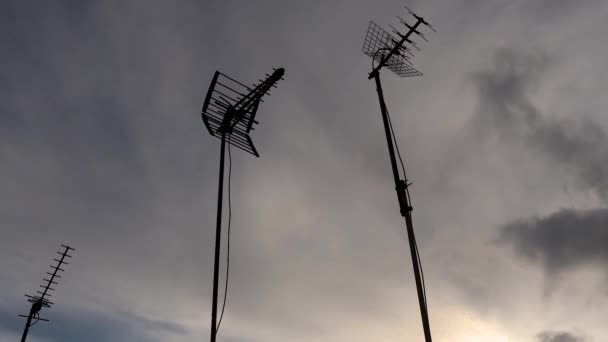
(421, 272)
(37, 319)
(228, 236)
(414, 242)
(390, 124)
(374, 59)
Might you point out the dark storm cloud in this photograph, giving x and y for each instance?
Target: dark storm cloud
(567, 238)
(506, 108)
(563, 240)
(552, 336)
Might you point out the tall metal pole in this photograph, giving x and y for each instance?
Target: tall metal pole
(426, 325)
(218, 236)
(34, 309)
(387, 130)
(406, 210)
(231, 110)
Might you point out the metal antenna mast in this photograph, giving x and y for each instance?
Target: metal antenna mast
(393, 54)
(40, 300)
(229, 112)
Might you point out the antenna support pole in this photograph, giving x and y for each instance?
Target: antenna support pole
(218, 237)
(230, 112)
(35, 308)
(387, 130)
(406, 210)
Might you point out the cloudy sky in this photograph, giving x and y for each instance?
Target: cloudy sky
(505, 140)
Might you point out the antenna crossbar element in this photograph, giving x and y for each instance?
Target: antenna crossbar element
(37, 318)
(377, 45)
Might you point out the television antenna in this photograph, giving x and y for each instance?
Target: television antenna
(395, 54)
(41, 300)
(229, 113)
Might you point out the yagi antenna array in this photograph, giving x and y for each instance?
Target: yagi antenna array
(392, 52)
(41, 299)
(230, 107)
(377, 45)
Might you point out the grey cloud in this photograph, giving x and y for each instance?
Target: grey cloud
(552, 336)
(569, 237)
(506, 108)
(563, 240)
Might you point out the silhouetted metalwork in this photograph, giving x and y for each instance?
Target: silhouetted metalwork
(378, 40)
(229, 114)
(40, 300)
(395, 55)
(230, 107)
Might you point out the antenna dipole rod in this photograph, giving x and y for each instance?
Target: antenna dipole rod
(395, 48)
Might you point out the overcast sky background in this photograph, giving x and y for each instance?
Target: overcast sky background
(102, 148)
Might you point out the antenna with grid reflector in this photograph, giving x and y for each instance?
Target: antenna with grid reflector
(229, 112)
(233, 104)
(391, 52)
(377, 40)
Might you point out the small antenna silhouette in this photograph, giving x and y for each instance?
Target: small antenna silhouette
(394, 54)
(229, 113)
(41, 300)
